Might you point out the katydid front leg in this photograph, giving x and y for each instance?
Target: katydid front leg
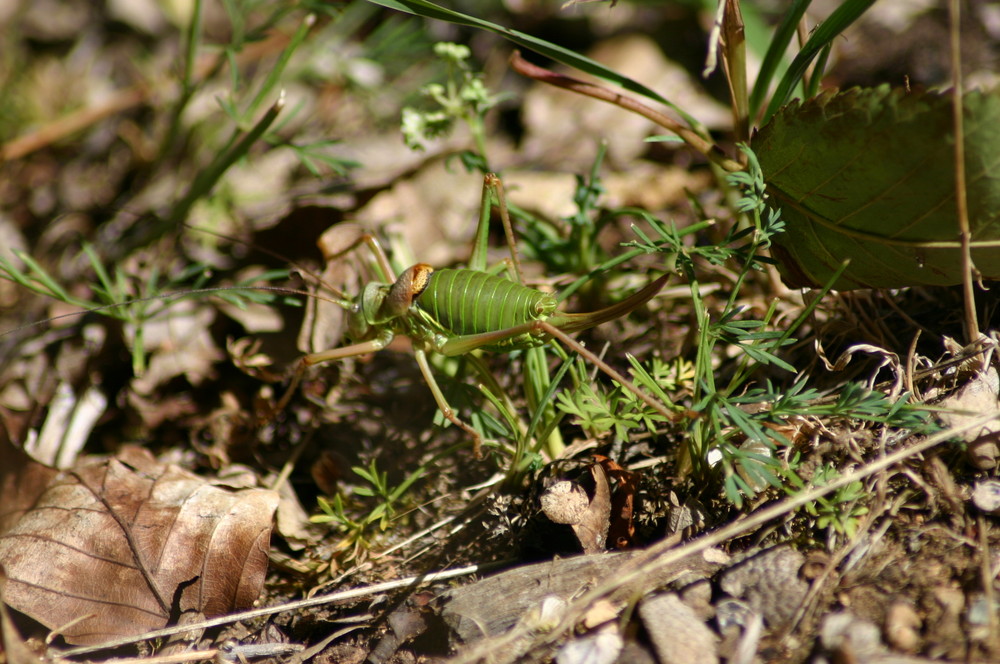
(378, 344)
(354, 350)
(383, 311)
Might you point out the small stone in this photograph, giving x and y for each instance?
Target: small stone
(850, 636)
(902, 627)
(598, 647)
(770, 583)
(666, 616)
(986, 496)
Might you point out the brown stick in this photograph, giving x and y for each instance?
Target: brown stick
(71, 124)
(969, 271)
(692, 138)
(122, 101)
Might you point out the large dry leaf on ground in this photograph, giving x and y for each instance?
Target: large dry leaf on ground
(22, 480)
(13, 649)
(869, 175)
(129, 542)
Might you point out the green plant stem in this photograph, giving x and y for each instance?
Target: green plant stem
(961, 193)
(208, 178)
(735, 56)
(775, 52)
(192, 38)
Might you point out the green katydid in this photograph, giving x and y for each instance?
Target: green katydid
(456, 311)
(449, 311)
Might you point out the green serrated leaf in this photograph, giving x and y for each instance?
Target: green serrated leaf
(868, 175)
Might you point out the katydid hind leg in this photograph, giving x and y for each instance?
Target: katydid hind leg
(465, 343)
(587, 354)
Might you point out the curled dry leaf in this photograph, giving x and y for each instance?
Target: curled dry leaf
(127, 542)
(326, 322)
(979, 396)
(564, 502)
(621, 530)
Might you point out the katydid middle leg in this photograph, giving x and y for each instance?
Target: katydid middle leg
(493, 188)
(442, 403)
(537, 376)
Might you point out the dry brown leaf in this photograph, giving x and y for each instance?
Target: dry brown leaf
(129, 542)
(592, 530)
(434, 212)
(179, 345)
(326, 322)
(621, 530)
(22, 480)
(13, 649)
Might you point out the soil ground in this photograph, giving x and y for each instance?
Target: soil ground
(899, 564)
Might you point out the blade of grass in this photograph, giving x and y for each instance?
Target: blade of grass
(824, 34)
(540, 46)
(775, 52)
(208, 178)
(44, 278)
(274, 75)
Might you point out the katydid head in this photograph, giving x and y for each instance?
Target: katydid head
(381, 303)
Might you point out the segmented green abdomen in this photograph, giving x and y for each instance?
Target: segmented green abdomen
(473, 302)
